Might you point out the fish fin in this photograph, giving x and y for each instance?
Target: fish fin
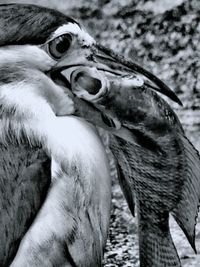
(185, 160)
(128, 192)
(156, 246)
(186, 212)
(124, 173)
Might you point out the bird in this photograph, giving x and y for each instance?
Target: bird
(55, 188)
(55, 209)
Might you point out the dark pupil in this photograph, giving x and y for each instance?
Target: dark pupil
(63, 45)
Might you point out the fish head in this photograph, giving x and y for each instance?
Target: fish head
(118, 102)
(108, 89)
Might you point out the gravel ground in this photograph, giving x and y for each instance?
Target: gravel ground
(163, 36)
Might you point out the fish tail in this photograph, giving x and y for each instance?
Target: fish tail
(186, 212)
(156, 245)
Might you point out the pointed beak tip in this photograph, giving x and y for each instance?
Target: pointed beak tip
(177, 100)
(180, 103)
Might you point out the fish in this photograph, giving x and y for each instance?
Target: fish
(159, 168)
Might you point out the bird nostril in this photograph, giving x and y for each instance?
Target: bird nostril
(88, 83)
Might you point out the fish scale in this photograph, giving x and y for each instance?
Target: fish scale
(157, 164)
(154, 198)
(170, 185)
(146, 177)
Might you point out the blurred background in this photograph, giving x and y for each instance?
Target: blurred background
(164, 37)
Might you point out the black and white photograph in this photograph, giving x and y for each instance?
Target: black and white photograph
(99, 133)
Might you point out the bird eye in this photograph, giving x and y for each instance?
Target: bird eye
(59, 46)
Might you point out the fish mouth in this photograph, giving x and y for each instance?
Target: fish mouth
(95, 80)
(149, 80)
(110, 65)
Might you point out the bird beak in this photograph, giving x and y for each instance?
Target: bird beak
(111, 65)
(108, 89)
(122, 65)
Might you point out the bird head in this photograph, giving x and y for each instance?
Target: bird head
(40, 51)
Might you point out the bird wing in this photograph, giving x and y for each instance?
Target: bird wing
(55, 238)
(24, 181)
(71, 227)
(72, 224)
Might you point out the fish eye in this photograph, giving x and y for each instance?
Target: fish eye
(59, 46)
